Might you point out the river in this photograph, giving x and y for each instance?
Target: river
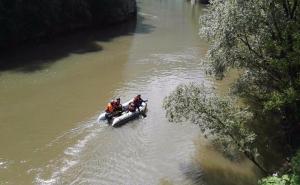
(52, 93)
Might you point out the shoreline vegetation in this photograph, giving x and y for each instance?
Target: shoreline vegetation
(260, 39)
(34, 21)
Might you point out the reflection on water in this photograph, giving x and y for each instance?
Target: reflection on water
(210, 167)
(40, 105)
(37, 57)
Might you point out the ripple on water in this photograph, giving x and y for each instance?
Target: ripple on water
(71, 155)
(3, 164)
(143, 151)
(148, 15)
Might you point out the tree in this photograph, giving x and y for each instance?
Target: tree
(219, 117)
(260, 37)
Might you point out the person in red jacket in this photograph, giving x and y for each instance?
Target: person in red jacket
(118, 106)
(137, 101)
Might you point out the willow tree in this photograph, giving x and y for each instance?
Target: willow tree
(262, 38)
(220, 118)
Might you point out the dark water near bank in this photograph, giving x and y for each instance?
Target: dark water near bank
(49, 106)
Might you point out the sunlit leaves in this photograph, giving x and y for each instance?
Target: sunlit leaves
(274, 180)
(222, 118)
(261, 37)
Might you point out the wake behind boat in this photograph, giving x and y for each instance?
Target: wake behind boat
(125, 115)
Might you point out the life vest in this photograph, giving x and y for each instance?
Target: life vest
(109, 108)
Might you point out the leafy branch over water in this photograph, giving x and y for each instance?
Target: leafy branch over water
(218, 117)
(260, 37)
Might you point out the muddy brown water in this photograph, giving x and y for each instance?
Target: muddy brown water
(49, 104)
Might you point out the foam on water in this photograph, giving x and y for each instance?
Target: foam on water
(148, 15)
(77, 148)
(71, 155)
(3, 164)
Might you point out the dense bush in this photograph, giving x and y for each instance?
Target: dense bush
(288, 179)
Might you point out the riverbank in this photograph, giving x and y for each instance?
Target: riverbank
(24, 22)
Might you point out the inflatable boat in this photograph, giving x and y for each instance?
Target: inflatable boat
(125, 116)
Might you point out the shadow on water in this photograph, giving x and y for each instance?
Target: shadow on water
(209, 167)
(33, 57)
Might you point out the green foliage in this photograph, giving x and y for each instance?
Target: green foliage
(218, 117)
(277, 99)
(261, 38)
(30, 19)
(200, 105)
(296, 168)
(274, 180)
(291, 179)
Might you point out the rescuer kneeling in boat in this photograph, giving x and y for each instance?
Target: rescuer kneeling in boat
(113, 108)
(109, 109)
(118, 106)
(131, 107)
(137, 101)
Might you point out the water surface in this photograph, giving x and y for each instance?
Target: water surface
(49, 104)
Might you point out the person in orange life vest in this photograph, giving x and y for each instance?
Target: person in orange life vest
(110, 107)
